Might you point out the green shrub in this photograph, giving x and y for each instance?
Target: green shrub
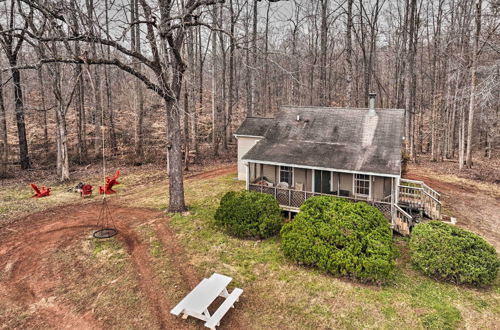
(341, 237)
(449, 253)
(249, 214)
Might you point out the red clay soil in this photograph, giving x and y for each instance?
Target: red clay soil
(474, 209)
(28, 278)
(226, 170)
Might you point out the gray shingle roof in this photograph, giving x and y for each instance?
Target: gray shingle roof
(333, 138)
(254, 126)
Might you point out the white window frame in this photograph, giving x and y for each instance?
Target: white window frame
(292, 172)
(354, 188)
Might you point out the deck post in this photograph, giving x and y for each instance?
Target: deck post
(312, 180)
(338, 184)
(247, 170)
(392, 203)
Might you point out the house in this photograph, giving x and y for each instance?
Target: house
(346, 152)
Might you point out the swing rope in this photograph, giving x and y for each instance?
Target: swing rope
(105, 222)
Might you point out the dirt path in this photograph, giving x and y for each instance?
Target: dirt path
(29, 280)
(226, 170)
(475, 210)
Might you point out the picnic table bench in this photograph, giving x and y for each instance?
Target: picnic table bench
(196, 302)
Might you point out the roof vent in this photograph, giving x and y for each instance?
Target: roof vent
(371, 104)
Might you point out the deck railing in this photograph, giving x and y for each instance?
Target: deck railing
(418, 195)
(402, 221)
(295, 198)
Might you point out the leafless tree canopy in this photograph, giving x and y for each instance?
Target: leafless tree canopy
(169, 80)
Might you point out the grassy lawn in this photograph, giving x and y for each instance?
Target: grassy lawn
(285, 295)
(101, 274)
(16, 201)
(277, 293)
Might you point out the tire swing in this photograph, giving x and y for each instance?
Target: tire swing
(105, 221)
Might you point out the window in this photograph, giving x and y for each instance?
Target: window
(362, 184)
(286, 175)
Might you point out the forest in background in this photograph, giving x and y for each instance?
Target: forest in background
(170, 80)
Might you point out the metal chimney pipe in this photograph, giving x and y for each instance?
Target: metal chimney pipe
(371, 104)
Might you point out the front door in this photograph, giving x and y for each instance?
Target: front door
(322, 181)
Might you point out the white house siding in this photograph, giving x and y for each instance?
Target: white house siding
(304, 176)
(378, 188)
(269, 171)
(244, 144)
(346, 181)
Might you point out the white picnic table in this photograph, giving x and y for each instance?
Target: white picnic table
(196, 303)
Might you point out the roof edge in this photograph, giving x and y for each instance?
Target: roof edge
(321, 168)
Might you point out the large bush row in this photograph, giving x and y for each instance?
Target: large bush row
(249, 214)
(449, 253)
(342, 238)
(355, 239)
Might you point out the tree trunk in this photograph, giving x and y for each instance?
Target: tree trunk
(81, 124)
(248, 69)
(4, 146)
(109, 97)
(97, 87)
(348, 76)
(253, 95)
(199, 108)
(175, 161)
(473, 84)
(215, 103)
(410, 83)
(223, 99)
(61, 132)
(135, 38)
(266, 92)
(44, 111)
(63, 159)
(186, 128)
(323, 42)
(19, 106)
(232, 47)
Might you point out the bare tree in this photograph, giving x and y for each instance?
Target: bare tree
(473, 83)
(166, 39)
(4, 146)
(12, 44)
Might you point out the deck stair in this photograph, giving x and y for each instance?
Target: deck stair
(416, 196)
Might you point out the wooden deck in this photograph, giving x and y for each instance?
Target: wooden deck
(415, 201)
(417, 196)
(291, 199)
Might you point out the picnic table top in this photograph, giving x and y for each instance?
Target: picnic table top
(204, 293)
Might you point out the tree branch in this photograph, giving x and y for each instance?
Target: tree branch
(80, 60)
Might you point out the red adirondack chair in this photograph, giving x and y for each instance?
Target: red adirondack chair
(40, 192)
(110, 182)
(86, 190)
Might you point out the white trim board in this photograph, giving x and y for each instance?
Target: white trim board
(320, 168)
(249, 136)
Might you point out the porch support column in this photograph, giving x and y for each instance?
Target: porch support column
(397, 190)
(312, 181)
(370, 187)
(392, 202)
(338, 184)
(247, 170)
